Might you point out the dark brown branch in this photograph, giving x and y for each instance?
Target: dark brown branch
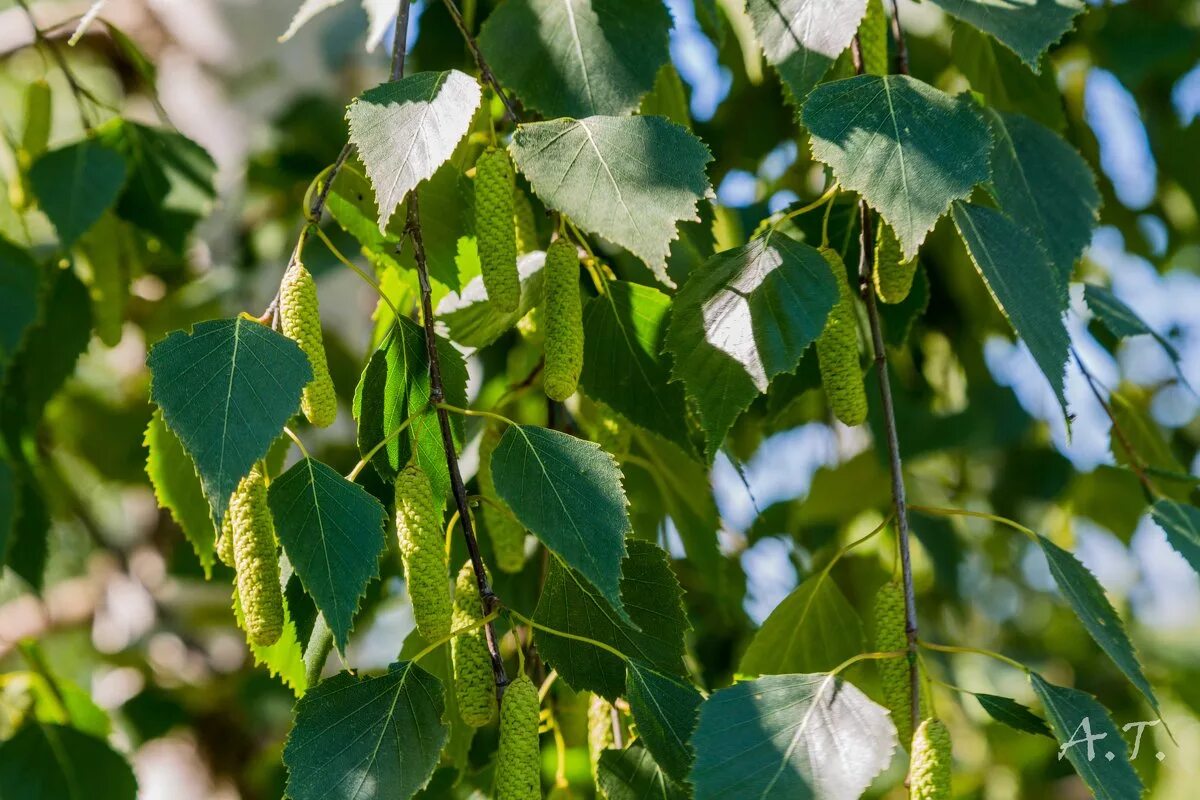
(898, 37)
(485, 71)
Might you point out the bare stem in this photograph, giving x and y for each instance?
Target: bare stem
(485, 71)
(1135, 463)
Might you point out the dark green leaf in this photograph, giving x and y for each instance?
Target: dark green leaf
(1008, 85)
(404, 130)
(332, 532)
(814, 629)
(1009, 712)
(366, 738)
(177, 489)
(577, 58)
(226, 389)
(28, 549)
(20, 282)
(76, 184)
(1181, 524)
(909, 149)
(803, 38)
(1027, 27)
(623, 362)
(627, 179)
(8, 505)
(665, 711)
(1086, 598)
(631, 774)
(54, 762)
(1089, 738)
(799, 737)
(568, 493)
(572, 605)
(1120, 319)
(743, 319)
(1030, 292)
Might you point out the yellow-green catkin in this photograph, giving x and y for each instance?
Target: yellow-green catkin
(519, 758)
(873, 39)
(525, 222)
(563, 322)
(600, 730)
(423, 551)
(890, 636)
(837, 351)
(474, 684)
(495, 229)
(225, 540)
(300, 320)
(893, 275)
(255, 560)
(507, 535)
(932, 761)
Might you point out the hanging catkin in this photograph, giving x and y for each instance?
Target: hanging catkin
(300, 320)
(893, 275)
(519, 758)
(474, 684)
(423, 551)
(255, 560)
(563, 321)
(932, 757)
(507, 535)
(837, 351)
(495, 229)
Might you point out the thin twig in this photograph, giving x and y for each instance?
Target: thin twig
(898, 37)
(77, 89)
(1134, 462)
(437, 389)
(485, 71)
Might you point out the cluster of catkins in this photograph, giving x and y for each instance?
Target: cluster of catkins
(929, 748)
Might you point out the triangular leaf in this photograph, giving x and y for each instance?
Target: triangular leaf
(76, 184)
(54, 762)
(1090, 739)
(799, 737)
(568, 493)
(743, 319)
(226, 389)
(584, 168)
(366, 738)
(177, 489)
(332, 532)
(1024, 285)
(572, 605)
(1086, 598)
(631, 774)
(814, 629)
(1027, 27)
(909, 149)
(623, 362)
(1009, 712)
(665, 711)
(1181, 524)
(404, 130)
(803, 38)
(577, 58)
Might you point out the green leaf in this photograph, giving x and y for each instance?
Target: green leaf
(668, 98)
(1086, 597)
(107, 258)
(623, 362)
(1045, 186)
(627, 179)
(1027, 27)
(814, 629)
(8, 505)
(1028, 290)
(76, 184)
(1181, 524)
(285, 658)
(776, 737)
(28, 548)
(1121, 320)
(743, 319)
(802, 38)
(1067, 710)
(20, 283)
(631, 774)
(332, 532)
(568, 493)
(226, 389)
(366, 738)
(1008, 85)
(439, 664)
(469, 315)
(404, 130)
(1009, 712)
(54, 762)
(395, 386)
(665, 711)
(577, 58)
(177, 488)
(572, 605)
(909, 149)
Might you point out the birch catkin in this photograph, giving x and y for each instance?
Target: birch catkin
(837, 351)
(423, 551)
(300, 321)
(518, 761)
(474, 683)
(563, 321)
(255, 559)
(495, 229)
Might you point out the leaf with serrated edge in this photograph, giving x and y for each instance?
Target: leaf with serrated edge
(332, 532)
(1121, 320)
(404, 130)
(226, 390)
(1181, 524)
(568, 493)
(815, 628)
(909, 149)
(790, 737)
(665, 711)
(1027, 27)
(177, 489)
(76, 184)
(627, 179)
(631, 774)
(743, 319)
(1009, 712)
(802, 38)
(1086, 598)
(1066, 709)
(366, 738)
(570, 604)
